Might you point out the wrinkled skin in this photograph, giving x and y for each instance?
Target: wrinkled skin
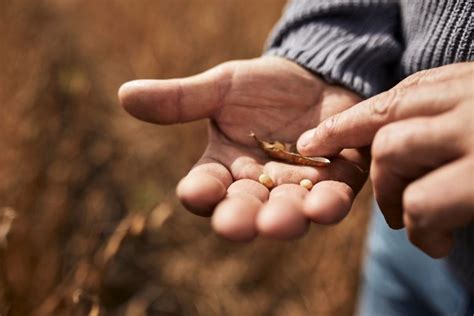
(422, 135)
(276, 99)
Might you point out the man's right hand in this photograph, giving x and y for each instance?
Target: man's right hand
(277, 100)
(422, 169)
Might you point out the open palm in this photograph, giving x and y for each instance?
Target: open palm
(277, 100)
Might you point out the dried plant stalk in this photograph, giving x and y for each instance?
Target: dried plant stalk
(281, 151)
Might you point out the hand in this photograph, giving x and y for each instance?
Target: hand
(422, 153)
(277, 100)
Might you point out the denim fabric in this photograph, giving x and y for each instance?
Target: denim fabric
(399, 279)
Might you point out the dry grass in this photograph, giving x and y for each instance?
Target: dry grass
(94, 227)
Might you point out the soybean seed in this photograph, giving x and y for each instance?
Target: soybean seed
(265, 180)
(306, 183)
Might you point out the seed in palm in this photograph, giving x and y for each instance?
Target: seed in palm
(306, 183)
(265, 180)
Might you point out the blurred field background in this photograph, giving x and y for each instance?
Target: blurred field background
(89, 224)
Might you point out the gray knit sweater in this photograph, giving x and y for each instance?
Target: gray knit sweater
(370, 45)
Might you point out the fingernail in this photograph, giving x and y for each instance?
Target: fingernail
(305, 139)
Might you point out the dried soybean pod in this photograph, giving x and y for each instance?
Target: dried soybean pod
(278, 150)
(268, 146)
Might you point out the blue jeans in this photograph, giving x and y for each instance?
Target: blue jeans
(399, 279)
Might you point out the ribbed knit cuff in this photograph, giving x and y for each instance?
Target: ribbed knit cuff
(350, 44)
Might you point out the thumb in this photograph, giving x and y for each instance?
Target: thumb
(176, 100)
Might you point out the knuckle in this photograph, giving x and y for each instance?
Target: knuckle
(330, 129)
(225, 70)
(223, 75)
(384, 105)
(415, 209)
(383, 146)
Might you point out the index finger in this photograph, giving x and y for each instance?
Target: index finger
(357, 126)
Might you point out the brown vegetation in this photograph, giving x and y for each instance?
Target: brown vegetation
(89, 224)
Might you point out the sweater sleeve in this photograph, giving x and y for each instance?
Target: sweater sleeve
(354, 43)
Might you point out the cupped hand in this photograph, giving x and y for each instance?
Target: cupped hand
(422, 153)
(277, 100)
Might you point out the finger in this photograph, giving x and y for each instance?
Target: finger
(176, 100)
(204, 186)
(248, 187)
(290, 190)
(282, 216)
(356, 127)
(328, 202)
(438, 203)
(245, 167)
(282, 173)
(405, 150)
(350, 167)
(331, 199)
(235, 217)
(388, 189)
